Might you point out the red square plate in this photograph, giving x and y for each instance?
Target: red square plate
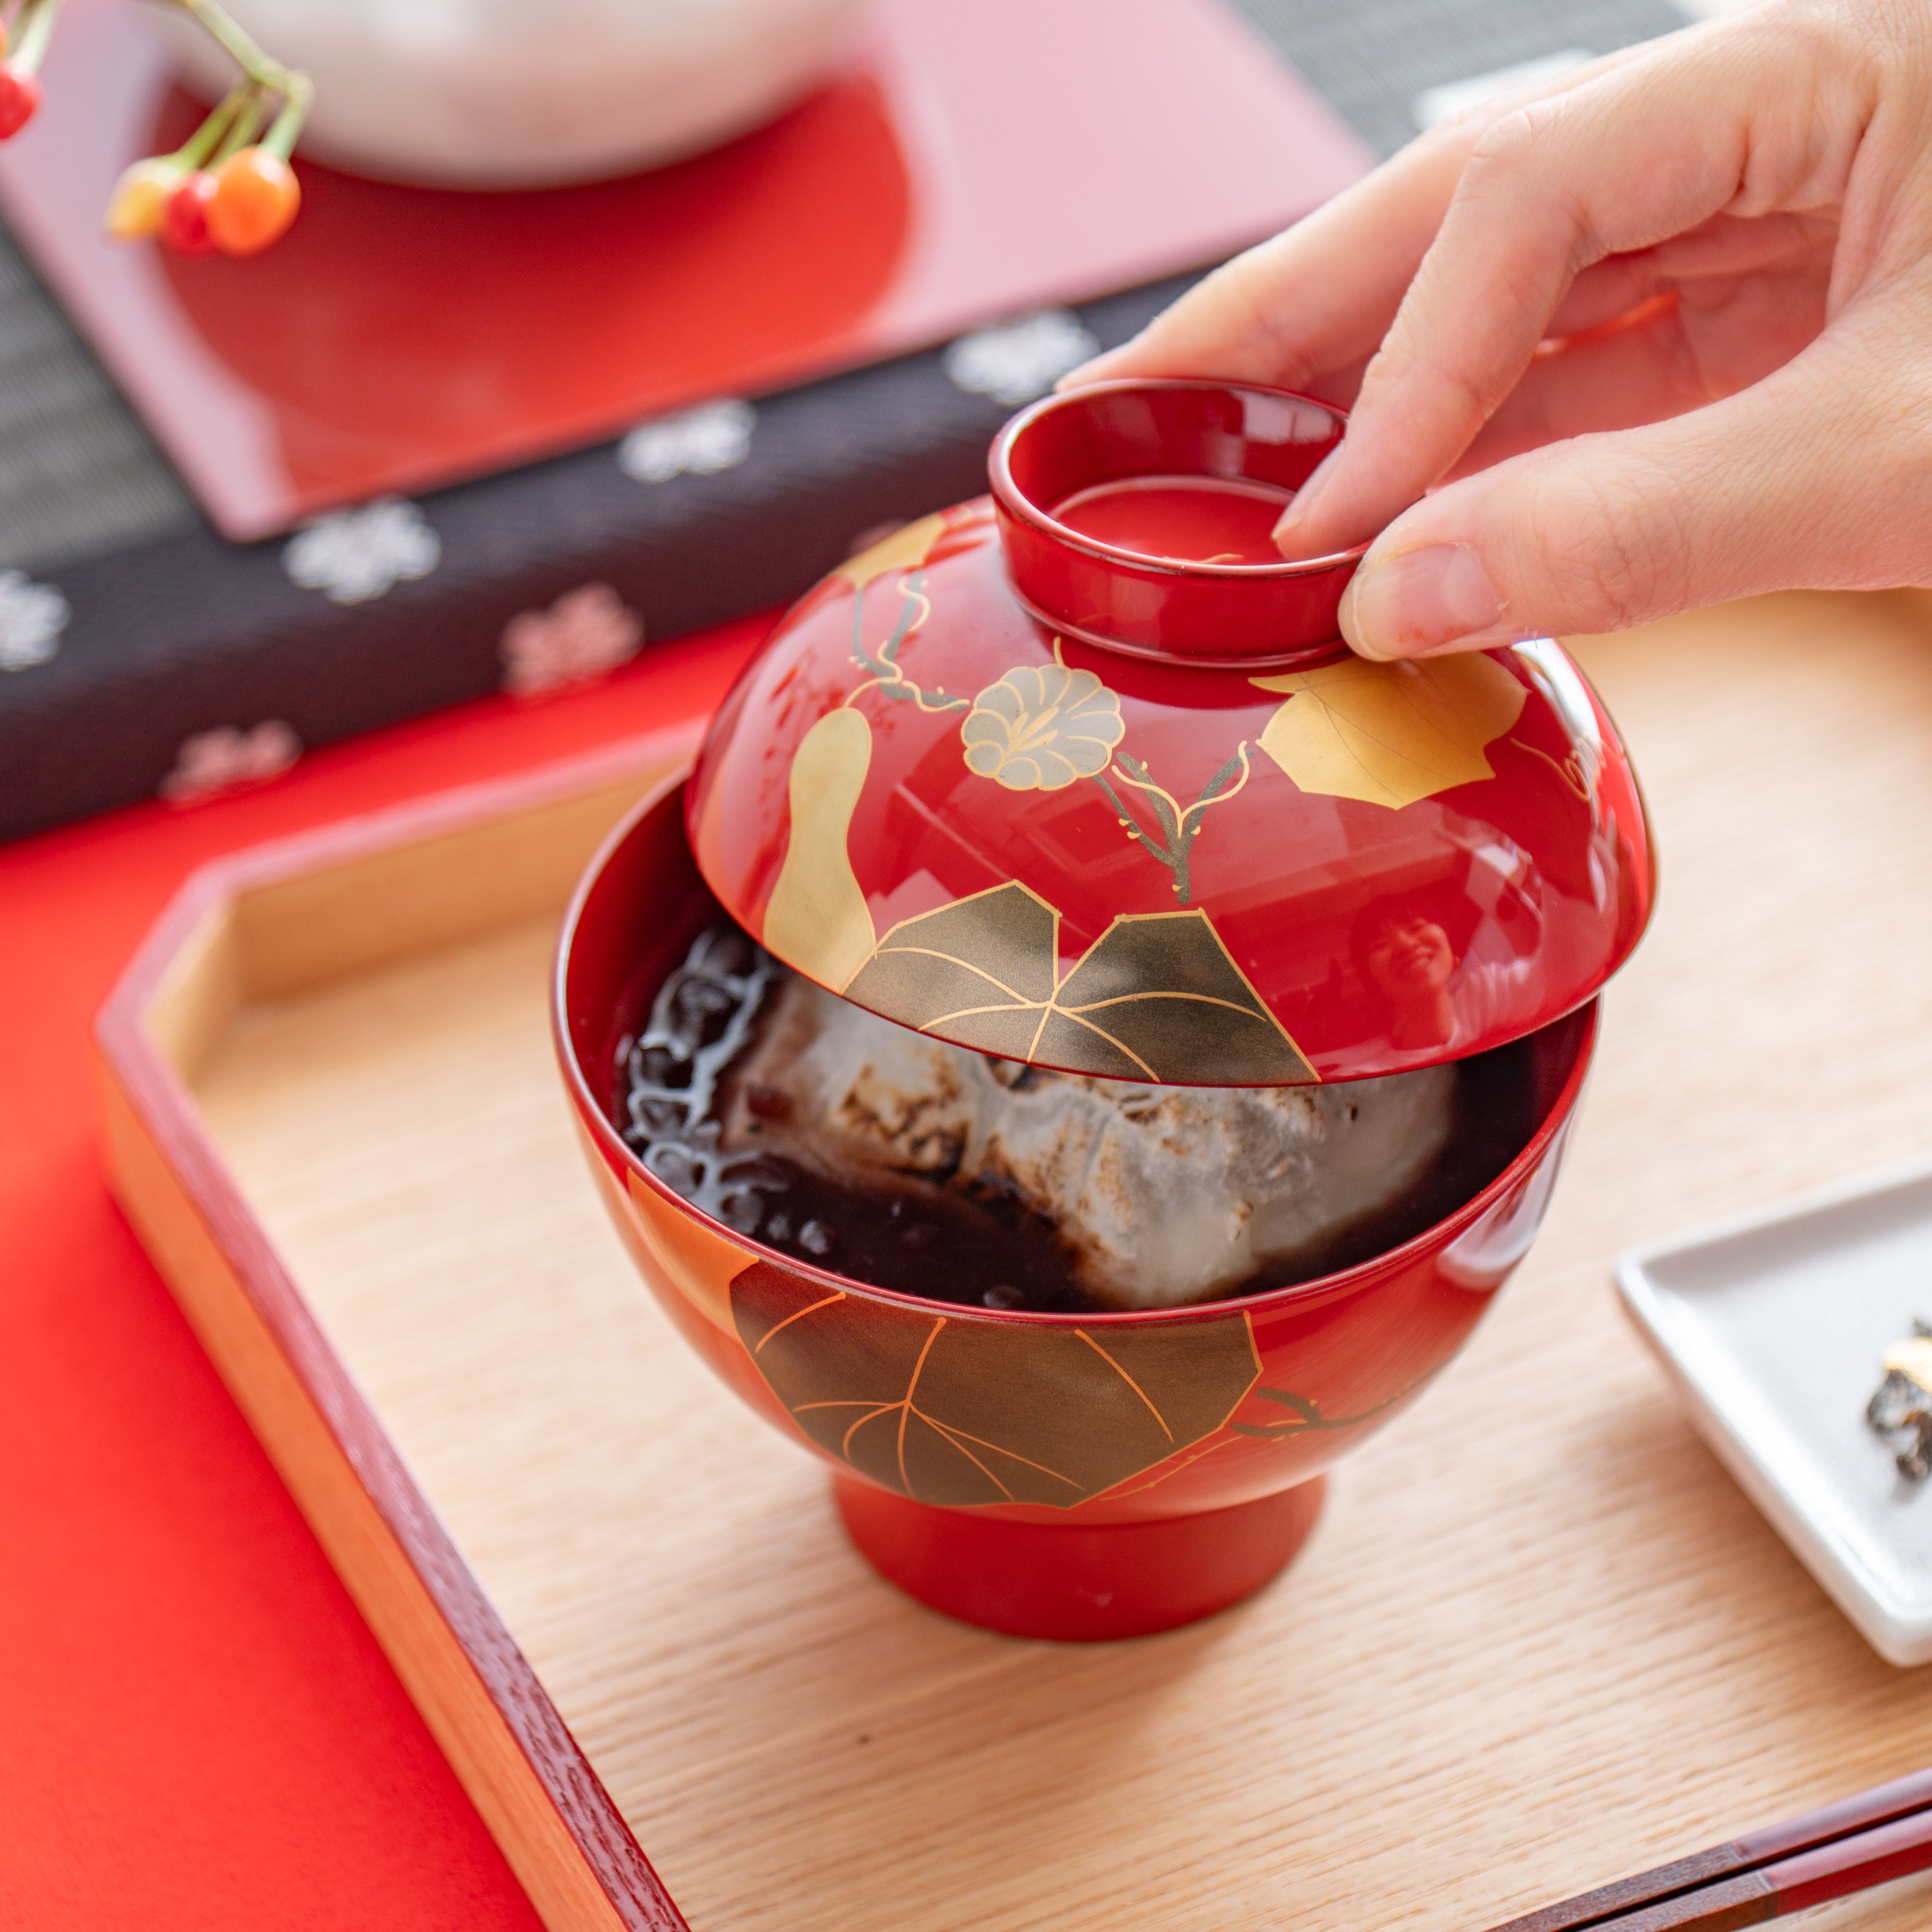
(966, 162)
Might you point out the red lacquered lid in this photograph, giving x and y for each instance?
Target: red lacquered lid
(1083, 776)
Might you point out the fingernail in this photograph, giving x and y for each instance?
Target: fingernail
(1419, 601)
(1286, 530)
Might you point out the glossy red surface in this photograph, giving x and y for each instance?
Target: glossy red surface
(967, 163)
(1080, 1420)
(1180, 519)
(508, 341)
(1140, 571)
(1078, 1585)
(925, 798)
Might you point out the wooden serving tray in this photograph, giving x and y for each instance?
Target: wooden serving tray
(1541, 1639)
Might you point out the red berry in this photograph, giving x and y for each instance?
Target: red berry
(184, 220)
(20, 96)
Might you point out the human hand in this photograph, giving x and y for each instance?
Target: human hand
(1655, 336)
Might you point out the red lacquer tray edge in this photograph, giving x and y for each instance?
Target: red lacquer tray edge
(557, 1826)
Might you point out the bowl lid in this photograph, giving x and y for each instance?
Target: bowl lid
(1081, 774)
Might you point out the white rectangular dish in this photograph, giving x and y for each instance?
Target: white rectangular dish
(1772, 1326)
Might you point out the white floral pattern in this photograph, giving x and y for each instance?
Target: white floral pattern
(1041, 726)
(32, 617)
(1015, 361)
(226, 760)
(351, 555)
(700, 442)
(586, 633)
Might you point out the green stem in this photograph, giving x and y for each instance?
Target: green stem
(36, 24)
(268, 76)
(281, 138)
(228, 35)
(243, 129)
(202, 142)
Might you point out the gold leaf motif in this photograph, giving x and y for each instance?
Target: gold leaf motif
(1156, 998)
(1390, 734)
(980, 972)
(905, 549)
(816, 918)
(964, 1412)
(1162, 990)
(1041, 726)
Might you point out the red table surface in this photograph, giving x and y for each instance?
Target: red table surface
(196, 1728)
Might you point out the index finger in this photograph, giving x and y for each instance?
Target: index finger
(1318, 298)
(1724, 117)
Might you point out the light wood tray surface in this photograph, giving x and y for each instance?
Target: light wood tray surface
(1540, 1639)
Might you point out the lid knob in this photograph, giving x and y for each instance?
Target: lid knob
(1138, 516)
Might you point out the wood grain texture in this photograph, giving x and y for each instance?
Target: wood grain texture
(455, 865)
(1541, 1640)
(311, 1451)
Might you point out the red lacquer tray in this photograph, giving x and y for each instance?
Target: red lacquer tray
(965, 162)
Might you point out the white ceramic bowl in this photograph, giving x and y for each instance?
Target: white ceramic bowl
(493, 93)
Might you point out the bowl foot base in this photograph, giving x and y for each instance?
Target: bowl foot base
(1078, 1583)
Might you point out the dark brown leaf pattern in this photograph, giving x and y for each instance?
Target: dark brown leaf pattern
(958, 1411)
(1156, 997)
(1305, 1414)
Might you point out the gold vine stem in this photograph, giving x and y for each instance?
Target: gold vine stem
(1306, 1423)
(893, 679)
(902, 688)
(1308, 1416)
(1571, 779)
(1181, 826)
(1159, 791)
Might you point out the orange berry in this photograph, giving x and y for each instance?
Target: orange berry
(256, 197)
(140, 198)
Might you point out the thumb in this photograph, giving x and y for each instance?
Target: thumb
(1814, 477)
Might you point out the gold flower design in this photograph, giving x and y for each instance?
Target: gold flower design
(1042, 726)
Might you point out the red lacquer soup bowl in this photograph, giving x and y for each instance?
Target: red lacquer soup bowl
(1074, 1476)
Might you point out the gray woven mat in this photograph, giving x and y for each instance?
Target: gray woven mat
(1370, 59)
(80, 475)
